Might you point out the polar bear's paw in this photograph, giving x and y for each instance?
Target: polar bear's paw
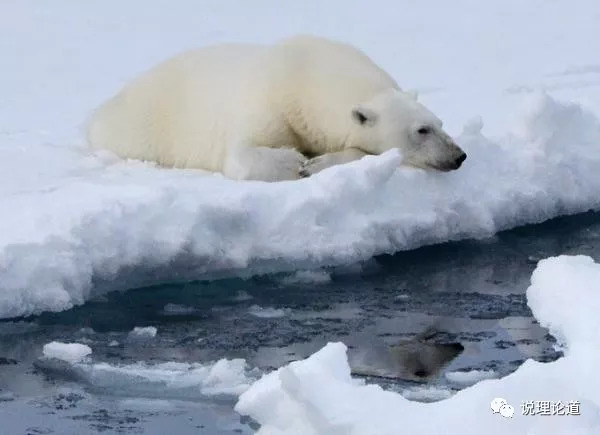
(264, 164)
(285, 164)
(317, 164)
(314, 165)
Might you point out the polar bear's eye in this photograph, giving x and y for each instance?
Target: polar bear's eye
(424, 130)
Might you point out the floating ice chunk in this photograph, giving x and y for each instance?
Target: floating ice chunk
(170, 380)
(87, 331)
(69, 352)
(268, 312)
(143, 332)
(226, 377)
(471, 377)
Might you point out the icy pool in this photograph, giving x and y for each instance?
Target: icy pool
(212, 339)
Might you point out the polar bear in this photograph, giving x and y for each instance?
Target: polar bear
(270, 113)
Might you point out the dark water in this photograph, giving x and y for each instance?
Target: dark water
(473, 291)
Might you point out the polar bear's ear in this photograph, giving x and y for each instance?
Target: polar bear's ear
(364, 116)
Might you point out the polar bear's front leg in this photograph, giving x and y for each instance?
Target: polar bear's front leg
(319, 163)
(263, 163)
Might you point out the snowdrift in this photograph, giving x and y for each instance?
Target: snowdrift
(75, 224)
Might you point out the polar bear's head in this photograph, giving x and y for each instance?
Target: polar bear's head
(395, 119)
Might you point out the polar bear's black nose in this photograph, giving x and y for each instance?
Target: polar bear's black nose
(460, 159)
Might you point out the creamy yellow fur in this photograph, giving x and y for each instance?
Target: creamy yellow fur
(213, 108)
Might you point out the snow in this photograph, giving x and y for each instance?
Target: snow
(69, 352)
(76, 224)
(318, 395)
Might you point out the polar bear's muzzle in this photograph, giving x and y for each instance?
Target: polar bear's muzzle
(451, 166)
(456, 156)
(457, 162)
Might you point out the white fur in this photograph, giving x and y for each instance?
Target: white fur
(252, 111)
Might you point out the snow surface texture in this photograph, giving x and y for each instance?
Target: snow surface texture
(75, 224)
(318, 395)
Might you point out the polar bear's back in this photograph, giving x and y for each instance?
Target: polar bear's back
(180, 113)
(187, 111)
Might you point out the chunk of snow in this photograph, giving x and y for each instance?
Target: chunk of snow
(87, 331)
(69, 352)
(143, 332)
(267, 312)
(318, 395)
(470, 377)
